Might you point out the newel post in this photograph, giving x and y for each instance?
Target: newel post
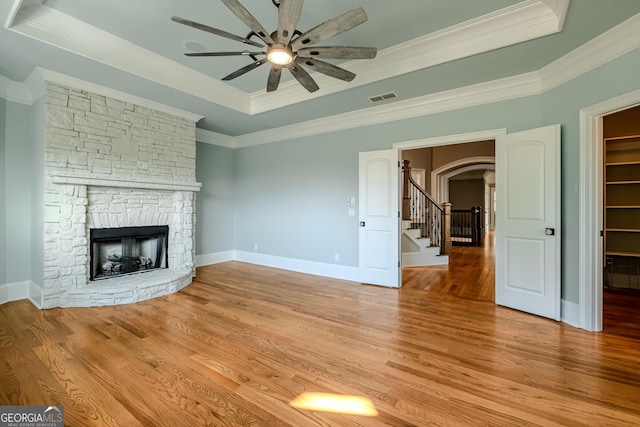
(447, 246)
(406, 200)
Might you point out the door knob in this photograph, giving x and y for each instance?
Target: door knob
(361, 223)
(550, 231)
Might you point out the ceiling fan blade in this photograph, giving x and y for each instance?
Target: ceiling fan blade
(288, 16)
(274, 78)
(245, 69)
(303, 77)
(214, 31)
(242, 53)
(336, 25)
(328, 69)
(246, 17)
(338, 52)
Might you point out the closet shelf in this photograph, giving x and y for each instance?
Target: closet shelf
(622, 253)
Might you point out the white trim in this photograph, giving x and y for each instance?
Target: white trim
(301, 266)
(590, 208)
(614, 43)
(454, 99)
(36, 295)
(523, 21)
(214, 138)
(570, 313)
(460, 138)
(215, 258)
(608, 46)
(334, 271)
(60, 30)
(14, 291)
(441, 179)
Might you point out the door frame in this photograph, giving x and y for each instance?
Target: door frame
(448, 140)
(590, 245)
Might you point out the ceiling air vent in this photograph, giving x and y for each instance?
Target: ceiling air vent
(383, 97)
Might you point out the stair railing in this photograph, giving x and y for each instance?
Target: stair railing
(425, 213)
(466, 227)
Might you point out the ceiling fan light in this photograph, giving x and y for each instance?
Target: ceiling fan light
(279, 56)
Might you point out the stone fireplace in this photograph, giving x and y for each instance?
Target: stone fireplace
(112, 165)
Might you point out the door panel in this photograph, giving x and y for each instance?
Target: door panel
(528, 208)
(379, 236)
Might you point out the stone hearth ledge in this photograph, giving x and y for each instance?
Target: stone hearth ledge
(108, 181)
(128, 289)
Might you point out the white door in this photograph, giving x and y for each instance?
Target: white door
(528, 221)
(379, 211)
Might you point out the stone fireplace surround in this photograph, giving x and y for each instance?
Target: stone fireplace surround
(110, 163)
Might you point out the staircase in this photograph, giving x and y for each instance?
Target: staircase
(426, 226)
(417, 250)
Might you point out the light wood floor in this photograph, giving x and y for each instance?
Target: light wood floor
(470, 273)
(239, 343)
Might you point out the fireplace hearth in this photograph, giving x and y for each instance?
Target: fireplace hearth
(127, 250)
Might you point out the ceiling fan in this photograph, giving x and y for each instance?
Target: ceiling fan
(289, 48)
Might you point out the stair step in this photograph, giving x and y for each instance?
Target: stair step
(429, 256)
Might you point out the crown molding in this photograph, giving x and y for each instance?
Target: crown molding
(612, 44)
(608, 46)
(214, 138)
(494, 91)
(50, 26)
(521, 22)
(524, 21)
(604, 48)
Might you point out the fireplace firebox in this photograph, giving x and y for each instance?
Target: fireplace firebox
(127, 250)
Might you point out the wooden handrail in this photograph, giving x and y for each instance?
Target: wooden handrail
(432, 218)
(427, 195)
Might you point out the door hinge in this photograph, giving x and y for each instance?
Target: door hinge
(601, 233)
(398, 264)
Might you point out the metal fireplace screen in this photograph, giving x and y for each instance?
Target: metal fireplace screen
(127, 250)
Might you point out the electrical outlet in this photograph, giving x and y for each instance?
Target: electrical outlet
(255, 246)
(337, 256)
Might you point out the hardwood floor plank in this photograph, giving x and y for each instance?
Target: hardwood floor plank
(238, 344)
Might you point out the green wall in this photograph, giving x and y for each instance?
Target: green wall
(3, 269)
(215, 201)
(36, 156)
(291, 195)
(18, 171)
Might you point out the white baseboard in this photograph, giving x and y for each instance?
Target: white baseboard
(36, 294)
(570, 313)
(214, 258)
(21, 290)
(14, 291)
(301, 266)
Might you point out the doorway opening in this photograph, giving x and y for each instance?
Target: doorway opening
(621, 222)
(590, 310)
(460, 171)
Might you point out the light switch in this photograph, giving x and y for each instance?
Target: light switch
(353, 201)
(352, 212)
